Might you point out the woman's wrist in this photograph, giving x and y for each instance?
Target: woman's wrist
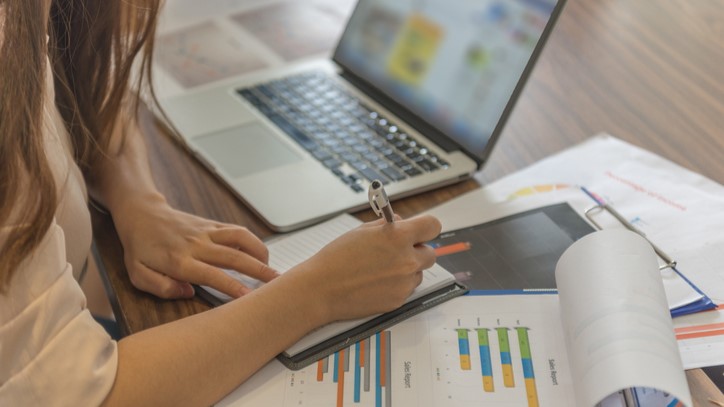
(131, 207)
(314, 295)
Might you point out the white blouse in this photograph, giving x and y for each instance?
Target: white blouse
(52, 352)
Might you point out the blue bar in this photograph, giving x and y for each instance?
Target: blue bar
(528, 369)
(336, 367)
(464, 346)
(378, 385)
(357, 373)
(673, 403)
(485, 361)
(505, 358)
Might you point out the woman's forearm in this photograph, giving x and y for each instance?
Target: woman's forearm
(199, 359)
(124, 176)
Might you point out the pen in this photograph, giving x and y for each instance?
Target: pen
(379, 201)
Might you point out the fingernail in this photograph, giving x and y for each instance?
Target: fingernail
(187, 290)
(242, 291)
(265, 269)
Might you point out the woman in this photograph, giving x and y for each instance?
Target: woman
(66, 119)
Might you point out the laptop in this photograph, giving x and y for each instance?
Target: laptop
(415, 95)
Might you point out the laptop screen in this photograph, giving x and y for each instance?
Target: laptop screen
(454, 63)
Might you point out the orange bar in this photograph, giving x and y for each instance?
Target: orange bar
(383, 358)
(698, 328)
(320, 373)
(702, 334)
(340, 379)
(362, 353)
(452, 248)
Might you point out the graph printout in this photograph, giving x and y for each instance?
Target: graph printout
(580, 347)
(472, 351)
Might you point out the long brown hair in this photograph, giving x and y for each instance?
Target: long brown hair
(92, 48)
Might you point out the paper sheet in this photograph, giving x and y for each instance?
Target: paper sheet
(681, 211)
(503, 351)
(615, 318)
(474, 208)
(425, 362)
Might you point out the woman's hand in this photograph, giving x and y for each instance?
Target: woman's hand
(369, 270)
(166, 250)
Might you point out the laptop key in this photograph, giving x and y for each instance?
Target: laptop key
(358, 165)
(332, 163)
(377, 161)
(356, 178)
(292, 131)
(321, 154)
(372, 175)
(414, 156)
(427, 165)
(347, 180)
(393, 174)
(349, 156)
(339, 149)
(362, 149)
(394, 157)
(412, 171)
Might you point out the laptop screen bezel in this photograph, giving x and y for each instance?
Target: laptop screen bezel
(428, 129)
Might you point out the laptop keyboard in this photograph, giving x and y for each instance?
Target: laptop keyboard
(355, 142)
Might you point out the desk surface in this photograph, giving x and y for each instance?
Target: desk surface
(648, 72)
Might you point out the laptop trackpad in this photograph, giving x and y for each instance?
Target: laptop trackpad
(247, 149)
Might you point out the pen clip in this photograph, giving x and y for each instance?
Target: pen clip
(378, 199)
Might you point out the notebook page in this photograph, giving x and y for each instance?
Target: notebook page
(288, 251)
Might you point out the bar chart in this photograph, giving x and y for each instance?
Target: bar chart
(506, 359)
(501, 359)
(495, 351)
(359, 375)
(473, 364)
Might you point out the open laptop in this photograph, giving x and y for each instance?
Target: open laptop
(415, 95)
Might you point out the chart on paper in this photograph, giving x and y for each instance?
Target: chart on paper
(496, 360)
(359, 375)
(455, 355)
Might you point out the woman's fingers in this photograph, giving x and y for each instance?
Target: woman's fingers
(158, 284)
(422, 228)
(205, 274)
(228, 258)
(426, 256)
(241, 238)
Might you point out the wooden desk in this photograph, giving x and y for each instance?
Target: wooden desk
(648, 72)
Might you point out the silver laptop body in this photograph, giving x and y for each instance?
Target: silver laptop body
(416, 95)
